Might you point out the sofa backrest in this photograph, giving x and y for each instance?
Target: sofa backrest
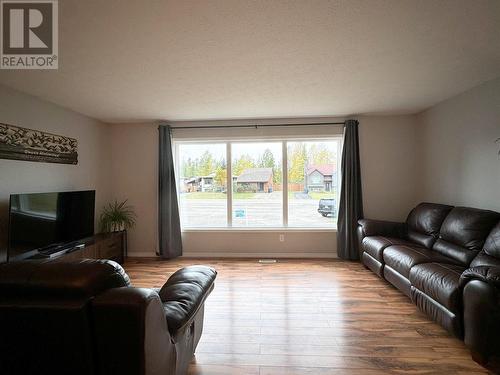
(50, 279)
(492, 243)
(45, 314)
(424, 222)
(464, 232)
(490, 255)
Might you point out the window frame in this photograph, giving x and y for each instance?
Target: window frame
(228, 141)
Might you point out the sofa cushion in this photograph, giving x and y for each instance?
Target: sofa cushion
(439, 281)
(464, 232)
(424, 222)
(402, 258)
(183, 294)
(375, 245)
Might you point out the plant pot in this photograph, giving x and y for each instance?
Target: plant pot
(117, 227)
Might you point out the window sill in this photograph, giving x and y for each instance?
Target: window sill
(256, 230)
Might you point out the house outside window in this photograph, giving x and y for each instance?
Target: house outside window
(255, 180)
(321, 177)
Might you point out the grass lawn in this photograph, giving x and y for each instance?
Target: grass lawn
(200, 195)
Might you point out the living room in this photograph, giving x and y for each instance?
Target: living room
(279, 187)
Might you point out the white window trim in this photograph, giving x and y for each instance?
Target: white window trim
(284, 181)
(229, 186)
(228, 141)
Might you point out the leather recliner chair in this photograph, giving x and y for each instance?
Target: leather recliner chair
(83, 317)
(429, 258)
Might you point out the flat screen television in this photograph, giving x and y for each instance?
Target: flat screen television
(40, 222)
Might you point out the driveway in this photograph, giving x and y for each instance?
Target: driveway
(265, 211)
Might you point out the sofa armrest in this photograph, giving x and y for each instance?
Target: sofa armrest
(487, 274)
(184, 293)
(481, 318)
(370, 227)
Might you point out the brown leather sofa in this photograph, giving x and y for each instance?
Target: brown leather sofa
(83, 317)
(447, 260)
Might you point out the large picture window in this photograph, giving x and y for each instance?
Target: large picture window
(258, 184)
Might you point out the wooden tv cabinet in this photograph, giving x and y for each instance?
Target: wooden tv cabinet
(101, 246)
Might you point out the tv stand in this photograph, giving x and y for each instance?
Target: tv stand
(100, 246)
(60, 250)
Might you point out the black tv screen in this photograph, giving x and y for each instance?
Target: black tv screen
(44, 220)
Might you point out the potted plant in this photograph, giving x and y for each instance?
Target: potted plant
(117, 216)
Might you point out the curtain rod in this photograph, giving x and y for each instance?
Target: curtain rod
(256, 126)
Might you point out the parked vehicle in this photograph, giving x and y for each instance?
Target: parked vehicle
(327, 207)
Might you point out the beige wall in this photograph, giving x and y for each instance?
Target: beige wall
(134, 177)
(388, 163)
(22, 176)
(459, 158)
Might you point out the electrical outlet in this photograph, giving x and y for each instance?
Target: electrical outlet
(282, 238)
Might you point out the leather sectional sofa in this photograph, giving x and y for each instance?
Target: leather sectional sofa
(447, 260)
(83, 317)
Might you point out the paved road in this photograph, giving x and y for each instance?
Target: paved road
(257, 212)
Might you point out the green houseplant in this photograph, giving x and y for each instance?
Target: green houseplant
(117, 216)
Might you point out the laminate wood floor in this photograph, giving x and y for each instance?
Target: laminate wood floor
(314, 317)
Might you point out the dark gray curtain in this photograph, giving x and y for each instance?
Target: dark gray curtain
(351, 197)
(169, 224)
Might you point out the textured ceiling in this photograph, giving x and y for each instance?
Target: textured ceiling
(130, 60)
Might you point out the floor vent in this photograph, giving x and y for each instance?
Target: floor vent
(267, 261)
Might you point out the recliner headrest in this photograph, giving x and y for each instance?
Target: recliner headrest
(468, 227)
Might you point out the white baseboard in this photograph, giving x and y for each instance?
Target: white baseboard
(144, 254)
(223, 254)
(188, 254)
